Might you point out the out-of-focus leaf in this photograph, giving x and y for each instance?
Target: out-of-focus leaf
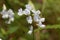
(12, 29)
(1, 35)
(57, 26)
(31, 3)
(3, 31)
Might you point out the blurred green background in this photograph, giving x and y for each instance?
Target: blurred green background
(17, 30)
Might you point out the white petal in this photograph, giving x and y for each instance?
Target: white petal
(34, 11)
(26, 12)
(42, 26)
(29, 19)
(4, 12)
(11, 19)
(31, 28)
(20, 12)
(28, 7)
(5, 16)
(10, 12)
(36, 18)
(42, 19)
(29, 32)
(38, 12)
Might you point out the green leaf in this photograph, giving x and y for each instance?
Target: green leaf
(57, 26)
(12, 29)
(3, 31)
(31, 3)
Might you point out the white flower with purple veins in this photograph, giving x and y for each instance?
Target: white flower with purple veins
(11, 13)
(4, 12)
(20, 12)
(36, 18)
(29, 19)
(40, 23)
(26, 12)
(28, 7)
(31, 30)
(36, 15)
(10, 20)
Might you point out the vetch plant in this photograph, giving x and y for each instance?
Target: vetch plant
(29, 19)
(20, 12)
(31, 30)
(30, 12)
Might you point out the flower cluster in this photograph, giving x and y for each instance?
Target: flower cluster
(7, 14)
(28, 11)
(30, 19)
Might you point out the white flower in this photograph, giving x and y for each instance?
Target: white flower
(36, 18)
(20, 12)
(10, 13)
(42, 19)
(29, 19)
(36, 12)
(28, 7)
(0, 39)
(11, 16)
(4, 14)
(11, 19)
(40, 24)
(26, 12)
(31, 30)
